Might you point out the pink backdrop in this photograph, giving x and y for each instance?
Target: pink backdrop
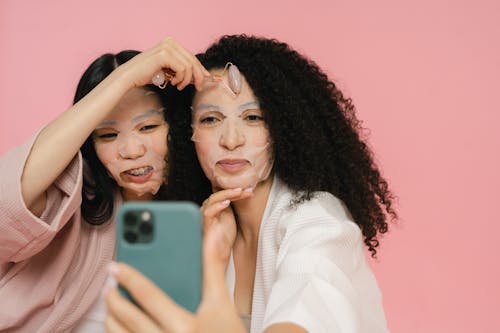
(424, 76)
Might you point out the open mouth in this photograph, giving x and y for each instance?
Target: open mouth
(139, 171)
(138, 175)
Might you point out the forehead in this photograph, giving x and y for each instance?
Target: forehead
(139, 97)
(135, 102)
(136, 105)
(215, 94)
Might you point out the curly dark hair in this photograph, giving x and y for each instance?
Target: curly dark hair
(98, 188)
(316, 137)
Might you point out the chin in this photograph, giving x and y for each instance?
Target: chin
(234, 183)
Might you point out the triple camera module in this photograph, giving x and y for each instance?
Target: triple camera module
(138, 227)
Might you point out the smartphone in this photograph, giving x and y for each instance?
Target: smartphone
(163, 241)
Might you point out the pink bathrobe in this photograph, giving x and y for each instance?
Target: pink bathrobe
(52, 268)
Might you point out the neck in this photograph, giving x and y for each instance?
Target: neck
(250, 211)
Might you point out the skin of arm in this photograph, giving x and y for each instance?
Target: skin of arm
(48, 157)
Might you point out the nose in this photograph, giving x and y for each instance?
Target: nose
(131, 148)
(232, 136)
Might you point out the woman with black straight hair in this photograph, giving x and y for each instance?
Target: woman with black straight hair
(61, 189)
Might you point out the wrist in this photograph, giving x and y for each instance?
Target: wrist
(120, 80)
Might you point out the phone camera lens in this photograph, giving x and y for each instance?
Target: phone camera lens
(130, 219)
(130, 236)
(146, 228)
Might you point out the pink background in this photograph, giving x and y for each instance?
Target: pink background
(423, 75)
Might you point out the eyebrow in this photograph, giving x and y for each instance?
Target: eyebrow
(202, 107)
(212, 107)
(147, 114)
(143, 115)
(249, 105)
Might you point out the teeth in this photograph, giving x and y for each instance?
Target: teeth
(140, 171)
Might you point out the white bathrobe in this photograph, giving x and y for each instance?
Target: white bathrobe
(311, 268)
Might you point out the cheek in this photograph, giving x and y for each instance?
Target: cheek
(159, 143)
(259, 137)
(105, 152)
(203, 150)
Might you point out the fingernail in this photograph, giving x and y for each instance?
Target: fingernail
(248, 189)
(110, 283)
(113, 269)
(237, 189)
(225, 202)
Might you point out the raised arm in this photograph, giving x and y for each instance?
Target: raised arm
(60, 140)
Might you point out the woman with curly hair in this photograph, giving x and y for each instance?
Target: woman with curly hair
(296, 195)
(61, 189)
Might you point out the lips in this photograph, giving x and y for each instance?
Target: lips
(233, 165)
(138, 175)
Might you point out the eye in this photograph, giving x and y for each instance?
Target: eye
(254, 118)
(208, 120)
(107, 136)
(148, 128)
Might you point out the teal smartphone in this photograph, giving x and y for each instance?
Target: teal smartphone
(163, 241)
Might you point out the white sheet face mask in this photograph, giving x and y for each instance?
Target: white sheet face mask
(231, 139)
(132, 143)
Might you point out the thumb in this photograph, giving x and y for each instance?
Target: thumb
(216, 252)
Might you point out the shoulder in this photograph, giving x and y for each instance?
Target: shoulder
(321, 215)
(323, 209)
(322, 205)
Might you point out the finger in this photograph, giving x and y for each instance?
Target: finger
(216, 253)
(129, 316)
(188, 76)
(230, 194)
(188, 67)
(190, 62)
(199, 73)
(214, 208)
(113, 326)
(167, 56)
(151, 298)
(185, 74)
(217, 202)
(178, 65)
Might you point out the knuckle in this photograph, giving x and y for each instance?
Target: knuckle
(168, 40)
(163, 53)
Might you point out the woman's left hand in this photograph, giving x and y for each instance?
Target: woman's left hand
(216, 210)
(159, 313)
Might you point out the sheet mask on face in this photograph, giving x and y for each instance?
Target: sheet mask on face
(144, 175)
(135, 158)
(231, 138)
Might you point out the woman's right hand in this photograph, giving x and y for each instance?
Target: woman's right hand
(167, 55)
(159, 313)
